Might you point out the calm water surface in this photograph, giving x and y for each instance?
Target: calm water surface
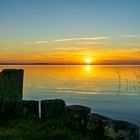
(110, 90)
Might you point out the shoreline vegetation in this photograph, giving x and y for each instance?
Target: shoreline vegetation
(30, 128)
(19, 119)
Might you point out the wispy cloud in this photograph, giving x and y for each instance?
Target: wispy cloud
(39, 42)
(92, 43)
(130, 36)
(8, 48)
(71, 48)
(84, 39)
(132, 44)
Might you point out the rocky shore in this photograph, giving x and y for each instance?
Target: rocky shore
(75, 117)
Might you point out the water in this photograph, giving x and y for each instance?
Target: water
(113, 91)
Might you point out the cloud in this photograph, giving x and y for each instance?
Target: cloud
(39, 42)
(71, 48)
(8, 48)
(130, 36)
(80, 39)
(92, 43)
(132, 44)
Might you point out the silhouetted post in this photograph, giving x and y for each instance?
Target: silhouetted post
(11, 88)
(11, 85)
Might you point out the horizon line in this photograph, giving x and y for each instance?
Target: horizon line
(69, 64)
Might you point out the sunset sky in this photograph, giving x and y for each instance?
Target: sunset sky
(70, 31)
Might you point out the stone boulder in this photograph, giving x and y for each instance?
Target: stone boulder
(120, 130)
(96, 125)
(94, 118)
(52, 108)
(77, 117)
(27, 108)
(104, 128)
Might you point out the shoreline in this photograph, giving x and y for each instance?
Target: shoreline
(76, 117)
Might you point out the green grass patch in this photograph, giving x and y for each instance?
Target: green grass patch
(36, 129)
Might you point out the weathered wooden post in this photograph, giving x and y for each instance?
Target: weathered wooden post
(52, 108)
(11, 89)
(11, 85)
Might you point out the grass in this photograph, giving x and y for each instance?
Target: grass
(35, 129)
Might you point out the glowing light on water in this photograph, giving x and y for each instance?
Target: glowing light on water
(88, 68)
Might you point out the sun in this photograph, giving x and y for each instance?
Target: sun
(88, 60)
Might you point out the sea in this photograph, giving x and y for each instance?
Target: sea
(110, 90)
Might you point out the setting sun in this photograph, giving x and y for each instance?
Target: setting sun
(88, 60)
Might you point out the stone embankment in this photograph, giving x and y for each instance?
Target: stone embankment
(76, 117)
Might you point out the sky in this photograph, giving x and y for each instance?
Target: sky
(70, 31)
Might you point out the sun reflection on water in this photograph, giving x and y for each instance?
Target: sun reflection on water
(88, 68)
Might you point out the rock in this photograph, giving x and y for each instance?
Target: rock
(52, 108)
(96, 124)
(11, 85)
(104, 128)
(77, 116)
(120, 130)
(7, 109)
(94, 118)
(27, 108)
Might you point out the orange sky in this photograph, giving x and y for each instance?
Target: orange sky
(69, 53)
(69, 32)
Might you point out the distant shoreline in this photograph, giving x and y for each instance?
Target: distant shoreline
(63, 64)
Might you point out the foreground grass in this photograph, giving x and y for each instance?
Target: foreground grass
(35, 129)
